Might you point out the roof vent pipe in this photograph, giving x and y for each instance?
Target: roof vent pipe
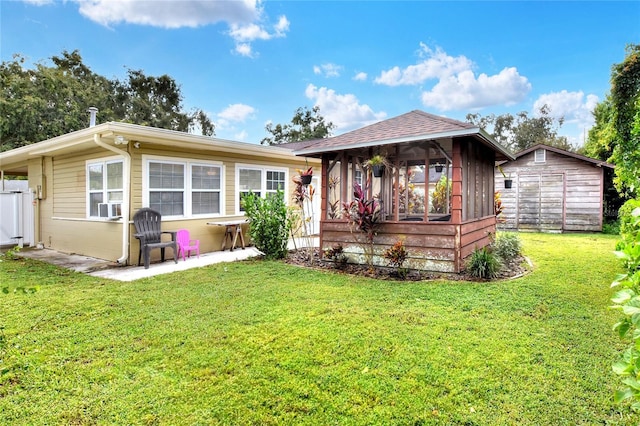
(93, 111)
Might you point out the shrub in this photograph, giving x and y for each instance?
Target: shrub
(337, 255)
(611, 227)
(269, 223)
(627, 300)
(627, 228)
(440, 195)
(507, 246)
(483, 264)
(396, 256)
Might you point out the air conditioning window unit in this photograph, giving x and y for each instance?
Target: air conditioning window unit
(110, 210)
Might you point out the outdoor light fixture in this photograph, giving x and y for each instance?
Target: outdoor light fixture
(121, 140)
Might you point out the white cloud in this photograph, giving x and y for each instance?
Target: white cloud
(573, 106)
(436, 65)
(282, 26)
(361, 76)
(457, 86)
(233, 114)
(328, 70)
(465, 91)
(245, 18)
(251, 32)
(169, 13)
(237, 113)
(241, 136)
(345, 111)
(244, 49)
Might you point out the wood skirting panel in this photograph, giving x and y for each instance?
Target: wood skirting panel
(431, 246)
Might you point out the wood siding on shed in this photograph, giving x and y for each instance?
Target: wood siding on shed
(561, 194)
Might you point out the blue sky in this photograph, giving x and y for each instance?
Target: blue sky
(248, 63)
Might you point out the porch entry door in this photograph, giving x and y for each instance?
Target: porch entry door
(540, 202)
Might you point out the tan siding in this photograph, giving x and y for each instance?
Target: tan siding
(66, 199)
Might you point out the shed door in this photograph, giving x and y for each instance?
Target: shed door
(541, 202)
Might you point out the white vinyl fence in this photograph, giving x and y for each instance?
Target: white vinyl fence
(16, 218)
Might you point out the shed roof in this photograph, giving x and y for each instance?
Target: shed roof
(598, 163)
(409, 127)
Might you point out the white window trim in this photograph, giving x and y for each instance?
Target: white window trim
(103, 161)
(544, 156)
(187, 162)
(263, 184)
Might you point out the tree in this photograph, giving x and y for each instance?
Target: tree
(48, 101)
(625, 94)
(305, 124)
(601, 138)
(521, 132)
(615, 137)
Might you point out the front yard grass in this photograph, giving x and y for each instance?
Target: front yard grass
(268, 343)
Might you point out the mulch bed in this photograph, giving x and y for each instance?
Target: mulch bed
(516, 268)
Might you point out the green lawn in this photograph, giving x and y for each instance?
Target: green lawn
(268, 343)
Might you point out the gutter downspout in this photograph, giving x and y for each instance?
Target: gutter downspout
(125, 196)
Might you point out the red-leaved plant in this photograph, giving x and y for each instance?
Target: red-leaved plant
(363, 214)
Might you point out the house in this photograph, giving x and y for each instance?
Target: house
(553, 190)
(87, 185)
(438, 232)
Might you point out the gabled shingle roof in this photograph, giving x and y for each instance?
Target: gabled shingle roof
(412, 126)
(597, 163)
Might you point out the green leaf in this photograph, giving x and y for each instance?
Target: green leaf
(619, 279)
(632, 383)
(623, 296)
(621, 395)
(630, 310)
(621, 368)
(622, 327)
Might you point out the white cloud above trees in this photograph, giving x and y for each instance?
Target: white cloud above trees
(235, 114)
(466, 91)
(575, 107)
(457, 86)
(344, 111)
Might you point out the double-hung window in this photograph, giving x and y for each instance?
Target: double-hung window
(104, 184)
(262, 181)
(183, 188)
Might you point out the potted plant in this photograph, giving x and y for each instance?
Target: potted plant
(306, 175)
(377, 163)
(508, 182)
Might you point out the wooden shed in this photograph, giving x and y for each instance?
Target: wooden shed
(439, 227)
(552, 190)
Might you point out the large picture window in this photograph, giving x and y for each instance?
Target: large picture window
(183, 188)
(262, 181)
(104, 183)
